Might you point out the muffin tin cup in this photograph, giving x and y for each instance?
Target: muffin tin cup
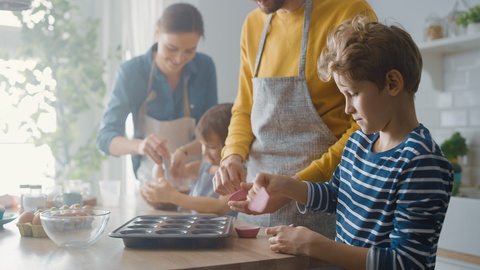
(175, 231)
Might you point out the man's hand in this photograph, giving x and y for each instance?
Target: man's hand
(229, 175)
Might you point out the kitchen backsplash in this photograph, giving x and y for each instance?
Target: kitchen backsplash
(456, 108)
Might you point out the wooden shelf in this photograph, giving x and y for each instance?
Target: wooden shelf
(434, 51)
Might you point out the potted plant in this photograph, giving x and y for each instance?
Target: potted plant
(471, 20)
(454, 148)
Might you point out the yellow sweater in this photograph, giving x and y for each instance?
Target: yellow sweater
(281, 58)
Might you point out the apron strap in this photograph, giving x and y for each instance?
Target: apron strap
(262, 44)
(186, 101)
(303, 48)
(142, 112)
(151, 95)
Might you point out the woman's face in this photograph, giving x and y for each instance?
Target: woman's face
(175, 50)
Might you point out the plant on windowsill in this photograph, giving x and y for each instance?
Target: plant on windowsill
(453, 149)
(471, 20)
(64, 48)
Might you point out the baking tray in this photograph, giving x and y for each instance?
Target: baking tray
(175, 231)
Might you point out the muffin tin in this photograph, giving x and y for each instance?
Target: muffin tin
(175, 231)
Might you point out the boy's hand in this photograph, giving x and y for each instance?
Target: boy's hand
(275, 201)
(177, 168)
(160, 192)
(291, 239)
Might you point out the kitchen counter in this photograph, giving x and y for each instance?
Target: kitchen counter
(30, 253)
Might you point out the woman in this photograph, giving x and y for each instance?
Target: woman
(167, 90)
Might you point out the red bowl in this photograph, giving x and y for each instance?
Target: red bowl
(247, 231)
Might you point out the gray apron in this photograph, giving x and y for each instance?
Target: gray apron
(177, 132)
(289, 135)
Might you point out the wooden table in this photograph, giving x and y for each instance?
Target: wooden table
(30, 253)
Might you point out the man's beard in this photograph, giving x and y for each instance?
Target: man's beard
(276, 5)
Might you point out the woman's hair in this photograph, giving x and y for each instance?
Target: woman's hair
(215, 121)
(361, 49)
(181, 18)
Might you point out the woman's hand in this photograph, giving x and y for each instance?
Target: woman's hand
(154, 147)
(228, 177)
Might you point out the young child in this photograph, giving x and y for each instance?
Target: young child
(211, 131)
(392, 187)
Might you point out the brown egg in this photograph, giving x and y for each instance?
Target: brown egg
(36, 219)
(26, 217)
(75, 206)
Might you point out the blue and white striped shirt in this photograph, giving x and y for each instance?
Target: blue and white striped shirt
(392, 202)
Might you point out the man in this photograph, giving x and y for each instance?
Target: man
(285, 120)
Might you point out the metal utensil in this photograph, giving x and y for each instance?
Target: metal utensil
(166, 169)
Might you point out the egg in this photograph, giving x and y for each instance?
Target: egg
(36, 219)
(26, 217)
(76, 206)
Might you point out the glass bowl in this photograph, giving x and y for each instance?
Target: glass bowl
(74, 228)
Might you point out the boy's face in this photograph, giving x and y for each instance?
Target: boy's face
(212, 148)
(368, 105)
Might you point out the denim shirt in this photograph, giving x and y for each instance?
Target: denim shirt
(130, 88)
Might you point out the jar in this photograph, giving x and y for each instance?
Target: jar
(433, 28)
(34, 200)
(24, 189)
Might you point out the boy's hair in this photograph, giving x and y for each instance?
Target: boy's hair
(361, 49)
(215, 121)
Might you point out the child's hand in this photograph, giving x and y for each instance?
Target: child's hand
(273, 183)
(291, 239)
(242, 206)
(160, 192)
(177, 168)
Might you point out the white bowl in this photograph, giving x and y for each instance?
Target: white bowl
(74, 228)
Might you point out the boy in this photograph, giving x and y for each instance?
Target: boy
(392, 187)
(211, 131)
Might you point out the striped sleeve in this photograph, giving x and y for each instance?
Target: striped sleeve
(393, 202)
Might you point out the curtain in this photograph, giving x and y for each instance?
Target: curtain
(138, 24)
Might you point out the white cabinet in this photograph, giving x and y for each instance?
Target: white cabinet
(433, 52)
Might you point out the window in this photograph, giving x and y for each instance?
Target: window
(20, 161)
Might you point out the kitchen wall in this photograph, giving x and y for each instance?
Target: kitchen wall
(455, 107)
